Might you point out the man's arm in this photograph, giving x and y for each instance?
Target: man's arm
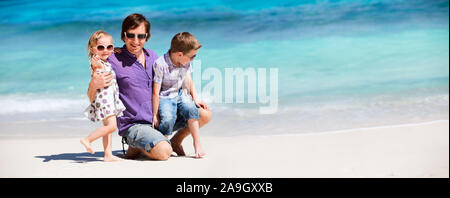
(98, 81)
(155, 102)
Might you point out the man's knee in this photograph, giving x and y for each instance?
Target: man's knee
(161, 151)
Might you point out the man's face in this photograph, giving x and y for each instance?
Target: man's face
(135, 44)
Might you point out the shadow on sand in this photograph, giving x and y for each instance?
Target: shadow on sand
(79, 157)
(96, 157)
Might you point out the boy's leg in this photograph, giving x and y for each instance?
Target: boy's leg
(186, 108)
(194, 129)
(177, 139)
(189, 111)
(168, 115)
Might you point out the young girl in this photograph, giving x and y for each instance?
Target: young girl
(107, 104)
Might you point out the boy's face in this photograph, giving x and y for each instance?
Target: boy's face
(134, 45)
(183, 59)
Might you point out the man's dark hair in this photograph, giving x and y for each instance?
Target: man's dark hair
(133, 21)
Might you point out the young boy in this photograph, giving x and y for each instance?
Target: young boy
(170, 72)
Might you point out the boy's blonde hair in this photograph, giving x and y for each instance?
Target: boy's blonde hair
(93, 40)
(184, 42)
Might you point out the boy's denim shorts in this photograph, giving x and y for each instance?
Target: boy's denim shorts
(175, 112)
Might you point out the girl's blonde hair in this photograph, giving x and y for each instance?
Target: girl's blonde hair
(93, 40)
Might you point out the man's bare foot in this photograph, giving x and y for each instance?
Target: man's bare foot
(132, 153)
(112, 158)
(178, 149)
(87, 145)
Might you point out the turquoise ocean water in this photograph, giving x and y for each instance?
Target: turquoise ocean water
(341, 64)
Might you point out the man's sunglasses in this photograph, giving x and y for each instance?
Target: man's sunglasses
(101, 47)
(132, 35)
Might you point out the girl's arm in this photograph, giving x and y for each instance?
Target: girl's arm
(155, 101)
(98, 80)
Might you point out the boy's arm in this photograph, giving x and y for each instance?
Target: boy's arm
(194, 94)
(155, 101)
(190, 84)
(158, 75)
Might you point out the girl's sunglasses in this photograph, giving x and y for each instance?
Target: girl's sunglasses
(101, 47)
(132, 35)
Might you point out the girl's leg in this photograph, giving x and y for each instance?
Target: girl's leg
(107, 145)
(194, 129)
(108, 128)
(107, 140)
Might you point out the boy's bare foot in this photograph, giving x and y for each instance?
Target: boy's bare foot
(112, 158)
(87, 145)
(199, 155)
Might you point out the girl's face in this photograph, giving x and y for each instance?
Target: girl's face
(104, 48)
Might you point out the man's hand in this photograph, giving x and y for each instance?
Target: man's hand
(201, 105)
(117, 50)
(98, 81)
(101, 80)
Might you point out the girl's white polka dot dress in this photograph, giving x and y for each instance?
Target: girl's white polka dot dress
(107, 100)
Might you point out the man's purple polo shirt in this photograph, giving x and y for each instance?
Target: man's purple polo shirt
(135, 87)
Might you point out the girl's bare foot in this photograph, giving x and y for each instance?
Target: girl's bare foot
(112, 158)
(87, 145)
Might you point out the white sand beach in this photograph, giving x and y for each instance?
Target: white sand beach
(415, 150)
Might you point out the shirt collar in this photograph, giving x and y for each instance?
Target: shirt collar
(169, 62)
(124, 50)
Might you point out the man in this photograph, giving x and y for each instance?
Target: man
(134, 74)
